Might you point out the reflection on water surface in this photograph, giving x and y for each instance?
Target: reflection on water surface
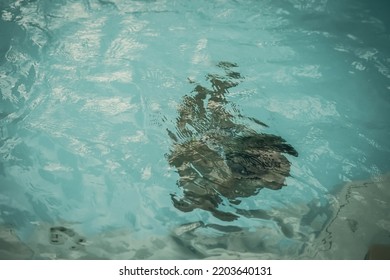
(216, 156)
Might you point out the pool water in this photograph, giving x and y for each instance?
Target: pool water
(89, 90)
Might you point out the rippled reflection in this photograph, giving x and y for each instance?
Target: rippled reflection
(216, 156)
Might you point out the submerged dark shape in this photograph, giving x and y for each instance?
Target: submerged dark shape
(218, 159)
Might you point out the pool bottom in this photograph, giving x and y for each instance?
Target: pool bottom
(361, 221)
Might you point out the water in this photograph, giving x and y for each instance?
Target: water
(90, 88)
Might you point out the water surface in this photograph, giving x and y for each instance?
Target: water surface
(89, 90)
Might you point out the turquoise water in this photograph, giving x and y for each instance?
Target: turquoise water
(89, 89)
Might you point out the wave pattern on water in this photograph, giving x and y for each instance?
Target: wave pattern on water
(89, 90)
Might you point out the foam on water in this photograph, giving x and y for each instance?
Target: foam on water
(89, 89)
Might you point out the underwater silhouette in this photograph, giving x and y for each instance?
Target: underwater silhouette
(218, 158)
